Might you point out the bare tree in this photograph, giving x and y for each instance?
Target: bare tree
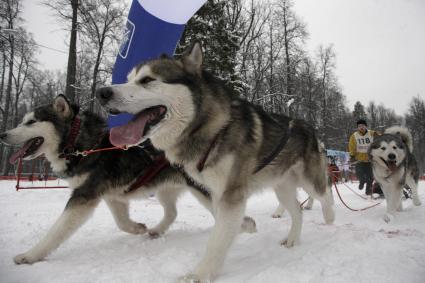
(72, 57)
(25, 52)
(326, 56)
(415, 121)
(294, 35)
(101, 21)
(10, 15)
(67, 12)
(372, 115)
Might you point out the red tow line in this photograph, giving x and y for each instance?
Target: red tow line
(346, 205)
(83, 153)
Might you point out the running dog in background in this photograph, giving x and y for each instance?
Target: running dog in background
(394, 166)
(58, 131)
(223, 142)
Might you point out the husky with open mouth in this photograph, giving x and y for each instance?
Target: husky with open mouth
(394, 166)
(59, 132)
(223, 142)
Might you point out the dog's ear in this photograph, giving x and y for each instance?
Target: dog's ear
(402, 137)
(62, 107)
(192, 59)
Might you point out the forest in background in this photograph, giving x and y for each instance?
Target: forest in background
(257, 47)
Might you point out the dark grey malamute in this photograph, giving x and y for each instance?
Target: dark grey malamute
(223, 142)
(59, 132)
(394, 166)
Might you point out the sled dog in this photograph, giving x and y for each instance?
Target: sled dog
(59, 131)
(394, 166)
(230, 146)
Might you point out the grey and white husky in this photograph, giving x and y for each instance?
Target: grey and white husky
(394, 166)
(223, 142)
(108, 175)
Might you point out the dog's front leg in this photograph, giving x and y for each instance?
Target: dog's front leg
(229, 213)
(167, 197)
(119, 210)
(78, 209)
(393, 202)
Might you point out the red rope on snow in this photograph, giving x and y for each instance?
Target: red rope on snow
(347, 206)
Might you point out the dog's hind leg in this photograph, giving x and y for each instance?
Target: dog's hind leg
(280, 210)
(414, 186)
(287, 195)
(119, 210)
(167, 197)
(309, 204)
(326, 202)
(400, 206)
(78, 209)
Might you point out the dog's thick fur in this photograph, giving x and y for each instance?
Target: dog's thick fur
(206, 121)
(105, 175)
(394, 166)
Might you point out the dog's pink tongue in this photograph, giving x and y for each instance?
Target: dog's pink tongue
(392, 166)
(129, 134)
(19, 153)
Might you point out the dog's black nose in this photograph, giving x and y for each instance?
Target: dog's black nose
(104, 94)
(391, 156)
(3, 135)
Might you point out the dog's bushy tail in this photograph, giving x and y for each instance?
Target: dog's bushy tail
(405, 134)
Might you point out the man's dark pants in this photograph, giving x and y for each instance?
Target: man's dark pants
(365, 175)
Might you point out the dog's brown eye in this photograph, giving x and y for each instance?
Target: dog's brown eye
(30, 122)
(146, 80)
(394, 147)
(383, 148)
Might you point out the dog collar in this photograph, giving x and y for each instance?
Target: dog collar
(73, 133)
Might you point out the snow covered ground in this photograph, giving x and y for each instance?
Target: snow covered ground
(359, 247)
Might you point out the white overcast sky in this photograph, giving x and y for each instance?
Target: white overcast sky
(380, 45)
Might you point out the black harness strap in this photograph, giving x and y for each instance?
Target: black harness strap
(192, 183)
(266, 161)
(159, 163)
(201, 162)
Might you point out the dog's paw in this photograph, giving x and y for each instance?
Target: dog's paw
(388, 217)
(154, 234)
(289, 243)
(136, 228)
(248, 225)
(277, 215)
(417, 202)
(26, 259)
(193, 278)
